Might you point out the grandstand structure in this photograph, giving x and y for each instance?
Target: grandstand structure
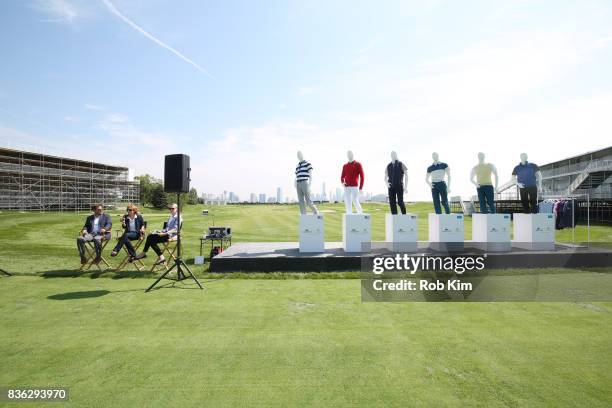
(38, 182)
(586, 177)
(588, 173)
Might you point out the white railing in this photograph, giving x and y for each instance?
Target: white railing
(506, 186)
(573, 168)
(598, 165)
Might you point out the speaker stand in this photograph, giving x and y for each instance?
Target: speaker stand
(179, 264)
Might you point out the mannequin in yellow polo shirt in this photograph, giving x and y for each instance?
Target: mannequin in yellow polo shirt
(481, 178)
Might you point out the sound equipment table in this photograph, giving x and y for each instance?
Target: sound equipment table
(213, 239)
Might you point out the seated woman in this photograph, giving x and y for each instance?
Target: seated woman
(169, 232)
(133, 229)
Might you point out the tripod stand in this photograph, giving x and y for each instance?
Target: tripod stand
(179, 264)
(5, 272)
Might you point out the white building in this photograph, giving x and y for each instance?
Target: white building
(339, 195)
(279, 195)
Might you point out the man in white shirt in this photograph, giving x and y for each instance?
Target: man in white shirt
(97, 228)
(168, 233)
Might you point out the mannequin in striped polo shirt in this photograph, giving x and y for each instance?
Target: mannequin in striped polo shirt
(303, 178)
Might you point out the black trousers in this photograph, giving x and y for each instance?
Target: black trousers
(529, 199)
(396, 196)
(153, 240)
(125, 240)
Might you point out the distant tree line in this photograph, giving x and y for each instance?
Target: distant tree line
(152, 193)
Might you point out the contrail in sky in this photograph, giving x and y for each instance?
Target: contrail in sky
(111, 7)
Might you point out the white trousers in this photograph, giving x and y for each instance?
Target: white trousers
(351, 195)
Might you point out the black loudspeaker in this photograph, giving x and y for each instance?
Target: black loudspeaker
(176, 173)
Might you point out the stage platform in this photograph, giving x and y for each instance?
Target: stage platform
(285, 256)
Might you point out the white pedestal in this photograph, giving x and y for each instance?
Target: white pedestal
(401, 232)
(356, 232)
(312, 233)
(534, 231)
(491, 232)
(446, 232)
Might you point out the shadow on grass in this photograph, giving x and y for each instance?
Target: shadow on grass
(79, 295)
(173, 284)
(71, 273)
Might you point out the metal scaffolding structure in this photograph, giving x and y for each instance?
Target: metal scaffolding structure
(38, 182)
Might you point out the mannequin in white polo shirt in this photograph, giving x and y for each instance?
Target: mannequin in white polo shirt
(303, 179)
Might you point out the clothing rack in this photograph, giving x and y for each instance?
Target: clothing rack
(573, 198)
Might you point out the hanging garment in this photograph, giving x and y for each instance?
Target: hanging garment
(568, 217)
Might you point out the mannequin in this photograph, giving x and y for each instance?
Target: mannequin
(303, 178)
(528, 178)
(396, 177)
(435, 180)
(481, 178)
(352, 180)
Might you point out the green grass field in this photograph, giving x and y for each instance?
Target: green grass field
(280, 342)
(47, 243)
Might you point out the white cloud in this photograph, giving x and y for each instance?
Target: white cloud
(480, 99)
(121, 133)
(306, 90)
(487, 77)
(113, 139)
(60, 11)
(269, 151)
(21, 140)
(94, 107)
(116, 118)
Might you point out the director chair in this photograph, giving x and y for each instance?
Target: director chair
(138, 264)
(168, 250)
(90, 255)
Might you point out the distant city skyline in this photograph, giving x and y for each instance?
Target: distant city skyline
(280, 198)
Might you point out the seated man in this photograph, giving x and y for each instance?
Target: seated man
(97, 227)
(169, 232)
(133, 229)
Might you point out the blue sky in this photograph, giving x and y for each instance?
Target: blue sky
(241, 86)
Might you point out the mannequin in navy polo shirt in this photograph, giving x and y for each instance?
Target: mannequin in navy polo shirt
(396, 177)
(435, 179)
(528, 178)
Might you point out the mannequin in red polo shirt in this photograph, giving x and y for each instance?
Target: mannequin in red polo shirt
(352, 179)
